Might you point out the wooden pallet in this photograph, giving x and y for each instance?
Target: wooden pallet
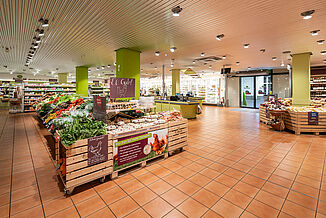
(298, 123)
(77, 170)
(262, 115)
(178, 135)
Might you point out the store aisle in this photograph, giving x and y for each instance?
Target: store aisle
(233, 166)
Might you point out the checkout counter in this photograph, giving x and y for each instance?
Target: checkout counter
(188, 107)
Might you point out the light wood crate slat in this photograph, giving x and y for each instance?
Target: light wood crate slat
(87, 170)
(81, 157)
(177, 146)
(84, 149)
(83, 164)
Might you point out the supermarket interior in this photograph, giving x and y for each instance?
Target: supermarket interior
(165, 108)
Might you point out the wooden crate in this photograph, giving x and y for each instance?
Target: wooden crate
(178, 135)
(262, 114)
(298, 122)
(76, 164)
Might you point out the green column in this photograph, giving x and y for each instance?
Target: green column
(62, 78)
(82, 81)
(128, 66)
(301, 79)
(175, 81)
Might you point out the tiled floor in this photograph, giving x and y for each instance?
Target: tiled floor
(233, 167)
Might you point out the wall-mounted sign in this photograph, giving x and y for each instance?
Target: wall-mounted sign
(122, 87)
(99, 108)
(136, 148)
(97, 149)
(312, 118)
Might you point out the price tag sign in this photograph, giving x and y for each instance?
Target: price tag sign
(99, 108)
(97, 149)
(313, 118)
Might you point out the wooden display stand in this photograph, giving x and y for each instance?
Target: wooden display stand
(263, 115)
(298, 122)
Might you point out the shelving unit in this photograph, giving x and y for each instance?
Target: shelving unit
(32, 92)
(96, 90)
(318, 86)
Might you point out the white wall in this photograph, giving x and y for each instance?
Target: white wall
(281, 85)
(232, 93)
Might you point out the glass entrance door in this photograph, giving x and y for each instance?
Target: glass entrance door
(263, 87)
(247, 91)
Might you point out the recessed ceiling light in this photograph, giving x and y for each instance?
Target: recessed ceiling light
(246, 45)
(114, 63)
(40, 32)
(249, 68)
(98, 74)
(307, 14)
(176, 11)
(103, 67)
(286, 52)
(97, 68)
(45, 23)
(210, 66)
(155, 68)
(323, 52)
(202, 54)
(262, 50)
(324, 61)
(320, 42)
(141, 70)
(223, 57)
(109, 65)
(172, 49)
(237, 63)
(11, 72)
(314, 32)
(282, 64)
(172, 65)
(193, 62)
(219, 37)
(37, 39)
(157, 53)
(35, 45)
(274, 58)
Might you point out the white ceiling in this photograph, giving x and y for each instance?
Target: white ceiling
(85, 32)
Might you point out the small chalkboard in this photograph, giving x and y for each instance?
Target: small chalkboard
(99, 108)
(97, 149)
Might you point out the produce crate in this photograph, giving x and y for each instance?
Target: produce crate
(73, 168)
(298, 122)
(262, 114)
(178, 135)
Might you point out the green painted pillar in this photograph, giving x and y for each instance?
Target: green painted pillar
(175, 81)
(62, 78)
(301, 79)
(128, 66)
(82, 81)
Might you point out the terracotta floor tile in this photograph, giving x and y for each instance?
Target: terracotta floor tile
(24, 192)
(254, 181)
(174, 197)
(284, 215)
(237, 198)
(211, 214)
(259, 173)
(174, 214)
(83, 195)
(51, 194)
(261, 209)
(270, 199)
(161, 172)
(123, 179)
(192, 208)
(217, 188)
(138, 213)
(173, 179)
(143, 196)
(147, 178)
(32, 212)
(90, 205)
(286, 183)
(200, 180)
(226, 180)
(112, 195)
(302, 200)
(157, 207)
(246, 189)
(104, 212)
(25, 203)
(209, 173)
(160, 187)
(124, 206)
(104, 186)
(227, 209)
(70, 212)
(131, 186)
(53, 206)
(188, 187)
(195, 167)
(275, 189)
(185, 172)
(296, 210)
(322, 207)
(4, 210)
(4, 198)
(247, 214)
(234, 173)
(305, 189)
(205, 197)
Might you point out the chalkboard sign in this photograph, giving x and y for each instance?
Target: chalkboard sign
(99, 108)
(312, 118)
(122, 87)
(97, 149)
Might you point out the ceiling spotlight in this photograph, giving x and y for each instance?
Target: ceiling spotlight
(237, 63)
(314, 32)
(109, 65)
(45, 23)
(114, 63)
(307, 14)
(98, 74)
(324, 61)
(323, 52)
(37, 39)
(35, 45)
(219, 37)
(97, 68)
(172, 65)
(176, 11)
(157, 53)
(274, 58)
(141, 70)
(246, 45)
(155, 68)
(11, 72)
(202, 54)
(286, 52)
(223, 57)
(282, 64)
(103, 67)
(320, 42)
(262, 50)
(172, 49)
(193, 62)
(40, 32)
(249, 68)
(210, 66)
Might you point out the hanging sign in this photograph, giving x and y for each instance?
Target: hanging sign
(313, 118)
(122, 87)
(97, 149)
(99, 108)
(139, 147)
